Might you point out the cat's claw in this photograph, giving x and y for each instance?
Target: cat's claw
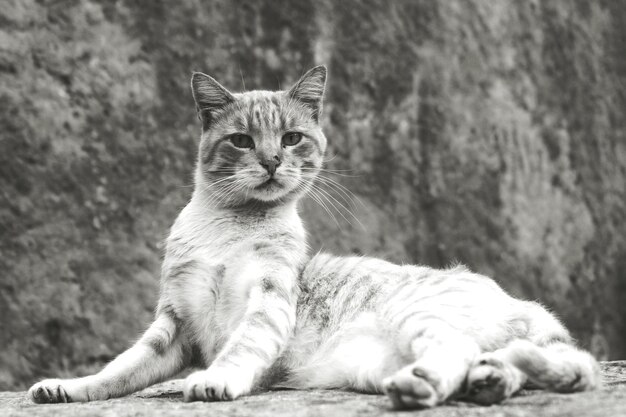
(49, 391)
(412, 387)
(199, 386)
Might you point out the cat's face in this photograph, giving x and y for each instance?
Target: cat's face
(259, 146)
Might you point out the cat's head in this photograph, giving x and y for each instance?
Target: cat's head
(259, 146)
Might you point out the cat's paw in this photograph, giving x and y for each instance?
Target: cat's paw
(215, 384)
(413, 387)
(573, 370)
(491, 380)
(49, 391)
(65, 391)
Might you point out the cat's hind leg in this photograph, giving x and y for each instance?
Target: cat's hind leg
(557, 366)
(442, 356)
(159, 354)
(552, 361)
(545, 358)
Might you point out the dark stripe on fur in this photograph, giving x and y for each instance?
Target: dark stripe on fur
(304, 149)
(178, 271)
(158, 342)
(271, 251)
(211, 149)
(243, 347)
(425, 317)
(158, 338)
(270, 285)
(262, 319)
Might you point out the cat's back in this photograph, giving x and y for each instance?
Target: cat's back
(335, 289)
(327, 275)
(345, 295)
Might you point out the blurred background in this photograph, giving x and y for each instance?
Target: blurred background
(490, 133)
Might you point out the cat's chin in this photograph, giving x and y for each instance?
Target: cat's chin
(269, 185)
(268, 195)
(269, 191)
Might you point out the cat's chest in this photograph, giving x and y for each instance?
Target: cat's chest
(220, 267)
(211, 266)
(211, 291)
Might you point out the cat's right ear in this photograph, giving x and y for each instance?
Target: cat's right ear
(209, 96)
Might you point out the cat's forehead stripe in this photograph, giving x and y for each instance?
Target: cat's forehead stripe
(240, 122)
(264, 113)
(261, 111)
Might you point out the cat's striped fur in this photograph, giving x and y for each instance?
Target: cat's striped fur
(239, 298)
(424, 335)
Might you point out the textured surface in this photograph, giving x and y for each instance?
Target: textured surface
(490, 133)
(166, 399)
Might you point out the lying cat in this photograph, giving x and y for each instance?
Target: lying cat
(239, 298)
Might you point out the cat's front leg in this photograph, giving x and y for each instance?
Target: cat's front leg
(159, 354)
(255, 344)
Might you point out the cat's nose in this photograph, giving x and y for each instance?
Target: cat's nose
(271, 164)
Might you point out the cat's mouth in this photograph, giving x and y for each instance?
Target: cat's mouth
(270, 184)
(272, 188)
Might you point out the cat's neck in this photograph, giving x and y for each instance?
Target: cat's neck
(204, 226)
(249, 211)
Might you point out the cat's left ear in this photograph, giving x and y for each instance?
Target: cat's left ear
(209, 96)
(309, 90)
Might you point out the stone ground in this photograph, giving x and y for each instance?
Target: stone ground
(166, 400)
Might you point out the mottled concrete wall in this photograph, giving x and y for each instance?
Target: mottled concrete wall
(490, 133)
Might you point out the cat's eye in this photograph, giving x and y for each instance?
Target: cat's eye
(242, 141)
(291, 138)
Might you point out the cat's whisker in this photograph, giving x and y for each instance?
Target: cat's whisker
(215, 195)
(236, 174)
(332, 200)
(322, 168)
(229, 169)
(340, 173)
(211, 171)
(315, 197)
(221, 180)
(333, 172)
(352, 206)
(211, 187)
(216, 186)
(340, 189)
(222, 196)
(247, 191)
(349, 196)
(229, 191)
(328, 198)
(307, 186)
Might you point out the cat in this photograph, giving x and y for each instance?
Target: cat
(241, 298)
